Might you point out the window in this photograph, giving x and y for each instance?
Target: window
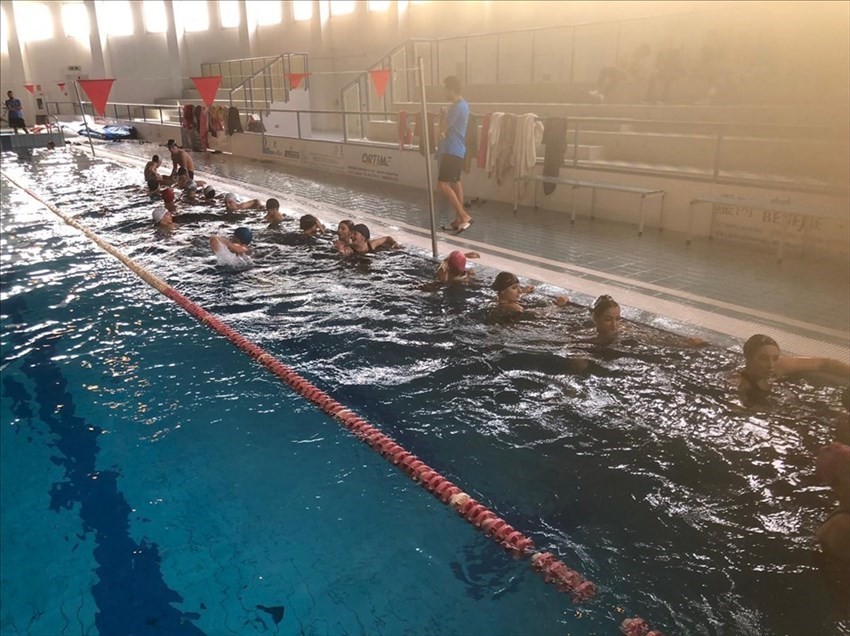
(191, 15)
(302, 10)
(155, 19)
(342, 7)
(228, 13)
(75, 20)
(379, 5)
(33, 21)
(267, 12)
(3, 34)
(115, 17)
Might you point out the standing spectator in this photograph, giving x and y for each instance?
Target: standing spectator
(452, 151)
(16, 113)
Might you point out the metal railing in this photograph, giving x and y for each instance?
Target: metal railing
(717, 166)
(270, 82)
(543, 55)
(234, 72)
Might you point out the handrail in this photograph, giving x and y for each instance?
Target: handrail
(239, 59)
(711, 174)
(246, 85)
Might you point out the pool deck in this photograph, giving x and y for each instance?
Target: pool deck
(723, 290)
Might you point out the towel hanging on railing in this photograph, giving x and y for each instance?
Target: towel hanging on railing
(555, 140)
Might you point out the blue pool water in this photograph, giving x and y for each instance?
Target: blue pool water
(154, 480)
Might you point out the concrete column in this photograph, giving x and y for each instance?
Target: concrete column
(19, 68)
(173, 43)
(245, 33)
(97, 45)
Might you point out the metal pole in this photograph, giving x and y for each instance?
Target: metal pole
(426, 139)
(77, 90)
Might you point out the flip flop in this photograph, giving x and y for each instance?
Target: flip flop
(448, 228)
(462, 227)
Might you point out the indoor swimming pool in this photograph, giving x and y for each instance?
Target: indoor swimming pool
(155, 480)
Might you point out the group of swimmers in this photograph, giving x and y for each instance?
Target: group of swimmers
(763, 360)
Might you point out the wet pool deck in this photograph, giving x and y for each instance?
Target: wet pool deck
(728, 290)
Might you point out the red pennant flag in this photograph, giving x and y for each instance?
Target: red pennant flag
(380, 78)
(207, 87)
(295, 79)
(61, 86)
(98, 92)
(30, 88)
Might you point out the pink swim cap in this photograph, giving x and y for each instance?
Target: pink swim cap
(457, 262)
(168, 195)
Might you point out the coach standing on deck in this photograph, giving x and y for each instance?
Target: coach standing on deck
(452, 151)
(16, 113)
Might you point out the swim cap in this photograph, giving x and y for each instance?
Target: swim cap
(755, 343)
(158, 213)
(209, 192)
(168, 195)
(457, 262)
(361, 229)
(243, 235)
(272, 204)
(504, 280)
(308, 221)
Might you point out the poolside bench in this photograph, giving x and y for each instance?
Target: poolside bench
(593, 186)
(788, 211)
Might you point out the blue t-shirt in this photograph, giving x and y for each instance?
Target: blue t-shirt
(456, 118)
(14, 106)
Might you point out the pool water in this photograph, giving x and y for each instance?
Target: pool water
(154, 480)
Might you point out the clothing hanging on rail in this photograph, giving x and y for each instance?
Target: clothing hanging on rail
(483, 142)
(529, 133)
(555, 140)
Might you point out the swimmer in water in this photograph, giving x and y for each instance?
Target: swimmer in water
(233, 204)
(362, 243)
(273, 216)
(191, 187)
(763, 362)
(310, 227)
(152, 172)
(605, 312)
(607, 321)
(833, 468)
(162, 219)
(343, 233)
(453, 268)
(240, 244)
(508, 292)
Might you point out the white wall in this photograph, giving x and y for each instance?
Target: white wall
(808, 41)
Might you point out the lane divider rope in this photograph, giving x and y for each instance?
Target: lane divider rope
(553, 571)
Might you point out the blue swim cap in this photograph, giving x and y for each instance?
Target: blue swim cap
(243, 235)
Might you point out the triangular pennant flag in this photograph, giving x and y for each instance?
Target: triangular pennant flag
(61, 86)
(98, 92)
(380, 78)
(207, 87)
(30, 88)
(295, 79)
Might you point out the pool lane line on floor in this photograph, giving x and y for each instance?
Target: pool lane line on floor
(546, 564)
(706, 315)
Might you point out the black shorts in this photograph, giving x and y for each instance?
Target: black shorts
(16, 122)
(450, 168)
